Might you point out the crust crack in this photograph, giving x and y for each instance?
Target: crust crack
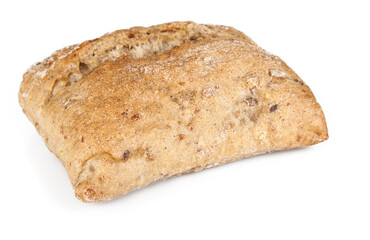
(67, 66)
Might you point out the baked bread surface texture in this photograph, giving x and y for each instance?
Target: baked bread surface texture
(144, 104)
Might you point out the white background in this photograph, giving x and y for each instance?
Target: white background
(319, 192)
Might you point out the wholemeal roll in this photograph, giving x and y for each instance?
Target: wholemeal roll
(145, 104)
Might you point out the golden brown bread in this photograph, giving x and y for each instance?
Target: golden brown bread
(144, 104)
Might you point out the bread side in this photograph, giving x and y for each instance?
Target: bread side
(208, 97)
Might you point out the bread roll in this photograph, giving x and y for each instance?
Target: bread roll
(144, 104)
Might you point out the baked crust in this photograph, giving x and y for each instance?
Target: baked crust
(144, 104)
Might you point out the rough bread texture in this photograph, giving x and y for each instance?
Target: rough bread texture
(144, 104)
